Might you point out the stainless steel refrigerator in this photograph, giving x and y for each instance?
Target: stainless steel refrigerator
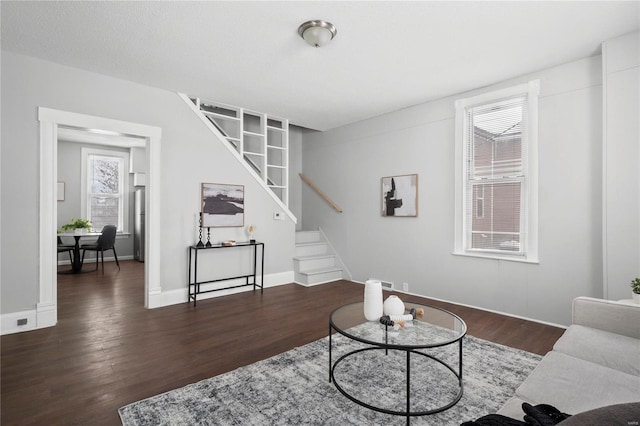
(138, 225)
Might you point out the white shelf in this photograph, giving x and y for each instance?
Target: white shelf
(222, 116)
(255, 132)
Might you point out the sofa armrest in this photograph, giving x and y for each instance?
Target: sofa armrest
(607, 315)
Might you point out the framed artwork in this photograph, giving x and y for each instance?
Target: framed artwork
(400, 196)
(222, 205)
(60, 191)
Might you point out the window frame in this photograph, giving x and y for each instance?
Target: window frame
(529, 206)
(123, 228)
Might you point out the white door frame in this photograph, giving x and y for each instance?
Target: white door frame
(50, 119)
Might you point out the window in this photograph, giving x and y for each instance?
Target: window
(496, 174)
(479, 201)
(105, 188)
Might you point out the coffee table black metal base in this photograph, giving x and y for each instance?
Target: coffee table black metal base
(409, 350)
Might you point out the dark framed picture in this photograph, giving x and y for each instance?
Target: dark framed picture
(400, 196)
(222, 205)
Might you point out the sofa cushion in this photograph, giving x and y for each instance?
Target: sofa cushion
(513, 408)
(607, 315)
(574, 385)
(611, 350)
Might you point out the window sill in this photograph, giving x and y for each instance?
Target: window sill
(497, 257)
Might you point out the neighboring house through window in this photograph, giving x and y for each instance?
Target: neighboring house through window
(496, 174)
(105, 188)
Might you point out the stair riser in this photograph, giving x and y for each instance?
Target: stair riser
(307, 237)
(310, 250)
(318, 278)
(305, 265)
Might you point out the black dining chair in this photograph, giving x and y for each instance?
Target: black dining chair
(106, 241)
(63, 248)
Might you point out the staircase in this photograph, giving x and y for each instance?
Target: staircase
(314, 262)
(261, 140)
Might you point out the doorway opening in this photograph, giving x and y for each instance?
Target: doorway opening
(51, 122)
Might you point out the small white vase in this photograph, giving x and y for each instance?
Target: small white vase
(393, 306)
(372, 300)
(636, 298)
(79, 231)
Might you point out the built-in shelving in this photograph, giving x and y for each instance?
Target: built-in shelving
(260, 139)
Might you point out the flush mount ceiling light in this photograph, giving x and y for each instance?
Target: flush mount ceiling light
(317, 33)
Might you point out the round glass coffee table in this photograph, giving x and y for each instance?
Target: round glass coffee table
(436, 328)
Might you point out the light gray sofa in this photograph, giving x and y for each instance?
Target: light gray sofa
(595, 363)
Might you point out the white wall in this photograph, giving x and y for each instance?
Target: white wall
(295, 167)
(348, 162)
(189, 157)
(621, 164)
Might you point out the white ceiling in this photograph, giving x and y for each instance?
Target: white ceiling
(387, 55)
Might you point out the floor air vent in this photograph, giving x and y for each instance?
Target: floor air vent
(387, 285)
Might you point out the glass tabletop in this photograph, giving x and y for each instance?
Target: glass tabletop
(436, 327)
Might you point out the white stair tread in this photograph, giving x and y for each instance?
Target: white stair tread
(321, 270)
(311, 243)
(315, 256)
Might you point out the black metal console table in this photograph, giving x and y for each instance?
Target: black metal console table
(194, 284)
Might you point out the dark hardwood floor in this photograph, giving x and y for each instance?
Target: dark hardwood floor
(107, 350)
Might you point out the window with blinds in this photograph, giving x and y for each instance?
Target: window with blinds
(498, 185)
(105, 188)
(495, 175)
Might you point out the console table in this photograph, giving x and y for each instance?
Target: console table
(250, 279)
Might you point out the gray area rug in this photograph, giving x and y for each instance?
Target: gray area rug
(292, 388)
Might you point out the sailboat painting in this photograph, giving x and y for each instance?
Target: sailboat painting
(222, 205)
(400, 196)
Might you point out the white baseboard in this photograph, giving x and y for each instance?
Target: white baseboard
(9, 322)
(93, 259)
(173, 297)
(46, 315)
(477, 307)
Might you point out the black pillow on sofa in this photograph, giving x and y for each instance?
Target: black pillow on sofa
(539, 415)
(611, 415)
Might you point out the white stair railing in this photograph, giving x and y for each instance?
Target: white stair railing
(259, 140)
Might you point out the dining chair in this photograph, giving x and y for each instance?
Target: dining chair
(63, 248)
(106, 241)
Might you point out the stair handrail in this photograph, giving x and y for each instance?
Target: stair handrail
(319, 191)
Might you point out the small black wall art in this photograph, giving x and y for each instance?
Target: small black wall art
(400, 196)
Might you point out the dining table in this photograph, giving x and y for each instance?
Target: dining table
(76, 260)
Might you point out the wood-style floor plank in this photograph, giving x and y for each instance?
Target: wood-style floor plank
(107, 350)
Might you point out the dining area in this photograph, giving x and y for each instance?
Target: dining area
(99, 242)
(100, 208)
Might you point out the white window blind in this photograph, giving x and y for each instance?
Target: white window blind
(495, 172)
